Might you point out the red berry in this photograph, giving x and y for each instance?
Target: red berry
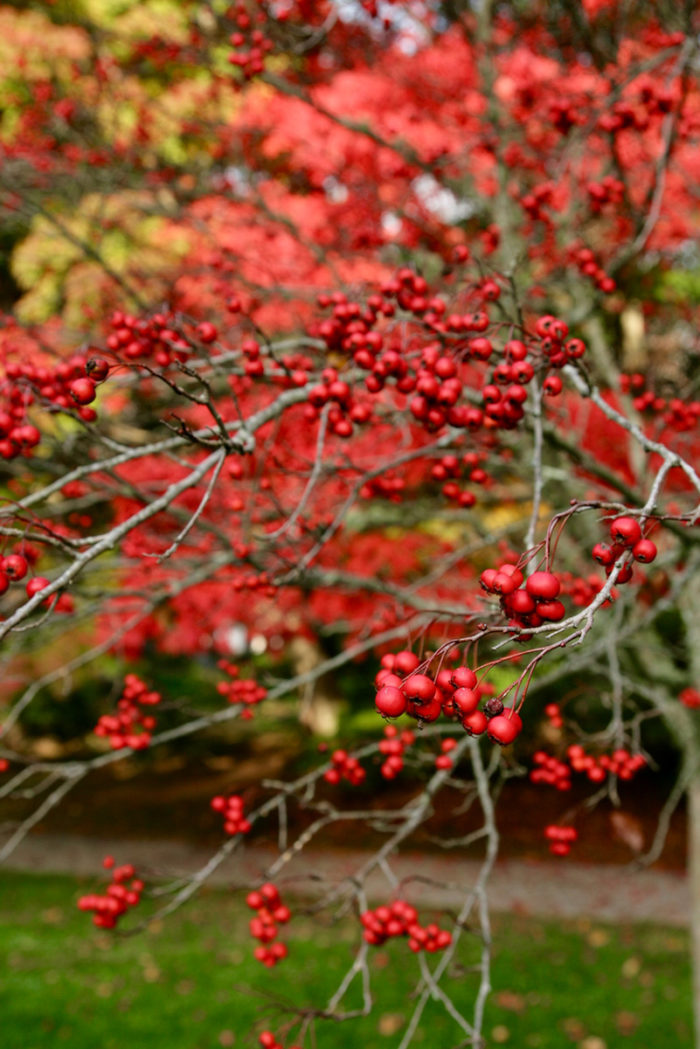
(644, 551)
(543, 586)
(625, 530)
(420, 688)
(552, 385)
(463, 677)
(97, 369)
(429, 711)
(551, 610)
(503, 729)
(476, 723)
(82, 391)
(15, 566)
(520, 603)
(36, 584)
(405, 662)
(390, 701)
(207, 332)
(466, 700)
(603, 553)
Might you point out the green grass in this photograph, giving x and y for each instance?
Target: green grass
(192, 984)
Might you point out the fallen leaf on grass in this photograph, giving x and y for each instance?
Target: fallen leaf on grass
(390, 1023)
(510, 1000)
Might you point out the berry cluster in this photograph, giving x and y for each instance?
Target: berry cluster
(443, 760)
(609, 190)
(626, 535)
(529, 605)
(344, 767)
(138, 338)
(118, 898)
(231, 808)
(456, 694)
(13, 567)
(553, 712)
(66, 385)
(449, 469)
(392, 747)
(131, 726)
(387, 486)
(549, 348)
(250, 44)
(678, 415)
(537, 199)
(240, 690)
(620, 763)
(343, 411)
(581, 591)
(259, 583)
(557, 773)
(271, 913)
(435, 382)
(551, 771)
(585, 260)
(560, 839)
(60, 602)
(401, 919)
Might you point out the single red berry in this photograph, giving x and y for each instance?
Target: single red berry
(625, 530)
(552, 385)
(82, 391)
(603, 554)
(463, 677)
(36, 584)
(644, 551)
(475, 723)
(15, 566)
(390, 701)
(543, 586)
(207, 332)
(553, 611)
(503, 584)
(419, 688)
(466, 700)
(429, 711)
(405, 662)
(97, 369)
(503, 729)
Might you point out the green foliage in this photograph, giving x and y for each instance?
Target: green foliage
(191, 983)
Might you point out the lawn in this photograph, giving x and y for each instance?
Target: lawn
(191, 983)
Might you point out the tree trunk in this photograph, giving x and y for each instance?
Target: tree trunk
(690, 610)
(694, 884)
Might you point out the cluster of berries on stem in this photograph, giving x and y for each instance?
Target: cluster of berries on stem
(344, 766)
(231, 808)
(455, 694)
(240, 690)
(271, 913)
(560, 838)
(68, 386)
(401, 919)
(123, 893)
(131, 726)
(626, 537)
(392, 747)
